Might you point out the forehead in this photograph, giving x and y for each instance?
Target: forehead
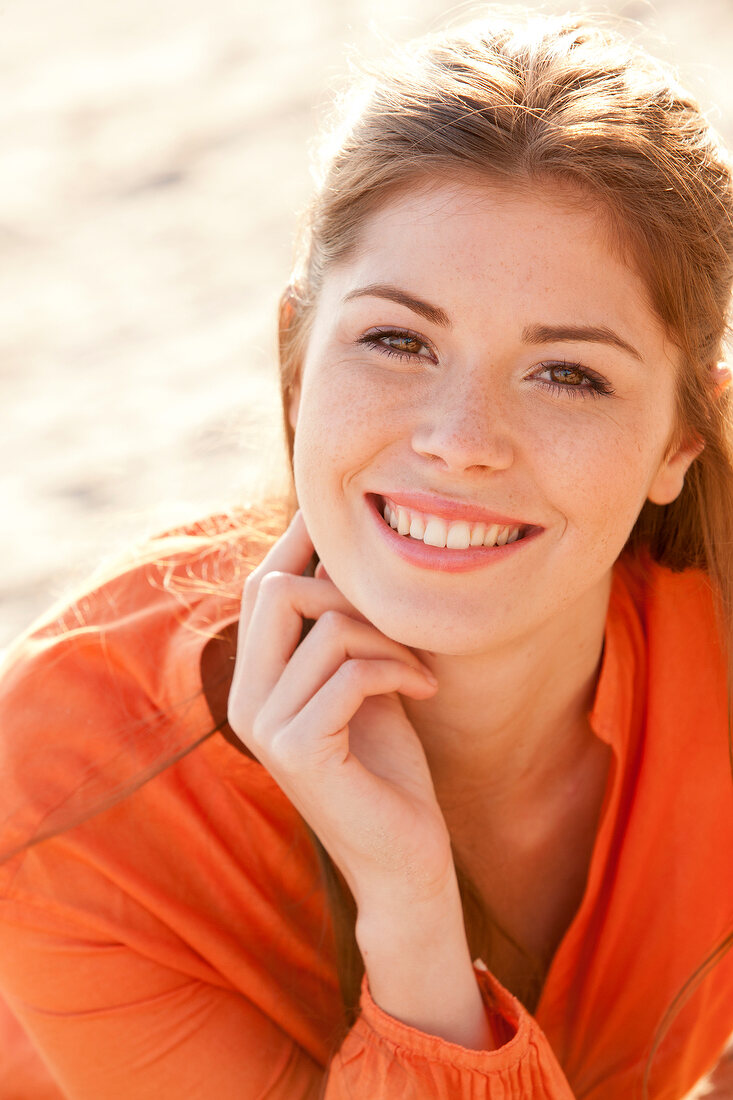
(429, 203)
(541, 249)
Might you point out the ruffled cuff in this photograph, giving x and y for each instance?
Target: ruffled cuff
(508, 1020)
(386, 1058)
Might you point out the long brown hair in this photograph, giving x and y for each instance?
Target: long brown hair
(528, 100)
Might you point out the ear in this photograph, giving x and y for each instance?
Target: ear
(670, 477)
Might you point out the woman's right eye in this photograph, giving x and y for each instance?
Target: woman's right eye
(398, 343)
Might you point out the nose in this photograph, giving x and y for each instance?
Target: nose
(465, 426)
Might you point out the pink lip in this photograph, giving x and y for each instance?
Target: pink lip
(417, 553)
(451, 509)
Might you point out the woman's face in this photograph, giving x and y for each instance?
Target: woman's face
(490, 353)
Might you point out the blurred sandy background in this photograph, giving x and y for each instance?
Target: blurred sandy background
(152, 156)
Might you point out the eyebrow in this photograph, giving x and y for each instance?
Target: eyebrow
(434, 314)
(531, 334)
(594, 334)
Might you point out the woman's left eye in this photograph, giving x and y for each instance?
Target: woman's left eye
(398, 343)
(574, 380)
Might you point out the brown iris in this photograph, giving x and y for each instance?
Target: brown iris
(568, 375)
(409, 344)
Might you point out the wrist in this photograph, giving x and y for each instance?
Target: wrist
(420, 971)
(393, 914)
(400, 941)
(437, 993)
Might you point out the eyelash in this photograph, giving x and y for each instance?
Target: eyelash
(374, 340)
(597, 386)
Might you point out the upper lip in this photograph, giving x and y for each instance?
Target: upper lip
(450, 509)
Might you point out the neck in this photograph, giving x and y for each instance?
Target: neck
(510, 726)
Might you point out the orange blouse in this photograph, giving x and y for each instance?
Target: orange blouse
(176, 943)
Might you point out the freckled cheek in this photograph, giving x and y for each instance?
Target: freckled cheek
(342, 417)
(337, 433)
(596, 478)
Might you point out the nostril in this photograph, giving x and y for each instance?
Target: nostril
(464, 449)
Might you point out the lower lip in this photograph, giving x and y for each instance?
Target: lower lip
(440, 558)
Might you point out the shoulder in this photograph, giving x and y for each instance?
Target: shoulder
(679, 613)
(178, 567)
(668, 595)
(684, 628)
(168, 582)
(103, 688)
(682, 663)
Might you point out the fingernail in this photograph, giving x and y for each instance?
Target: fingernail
(429, 676)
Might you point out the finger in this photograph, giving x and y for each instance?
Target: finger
(317, 733)
(267, 641)
(335, 639)
(291, 553)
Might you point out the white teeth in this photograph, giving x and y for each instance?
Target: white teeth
(458, 535)
(417, 528)
(436, 532)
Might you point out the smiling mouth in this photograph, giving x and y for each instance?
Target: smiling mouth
(447, 534)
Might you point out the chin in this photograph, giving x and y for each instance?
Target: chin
(426, 632)
(442, 642)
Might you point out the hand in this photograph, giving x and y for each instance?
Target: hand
(325, 718)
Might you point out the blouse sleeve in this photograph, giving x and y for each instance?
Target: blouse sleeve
(110, 1022)
(383, 1057)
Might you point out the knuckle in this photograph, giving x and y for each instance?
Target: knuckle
(285, 754)
(331, 623)
(251, 737)
(353, 671)
(259, 731)
(275, 585)
(251, 583)
(248, 718)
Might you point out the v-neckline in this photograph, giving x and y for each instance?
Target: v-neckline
(611, 719)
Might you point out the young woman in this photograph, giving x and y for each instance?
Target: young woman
(423, 788)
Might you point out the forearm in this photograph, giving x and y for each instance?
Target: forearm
(420, 971)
